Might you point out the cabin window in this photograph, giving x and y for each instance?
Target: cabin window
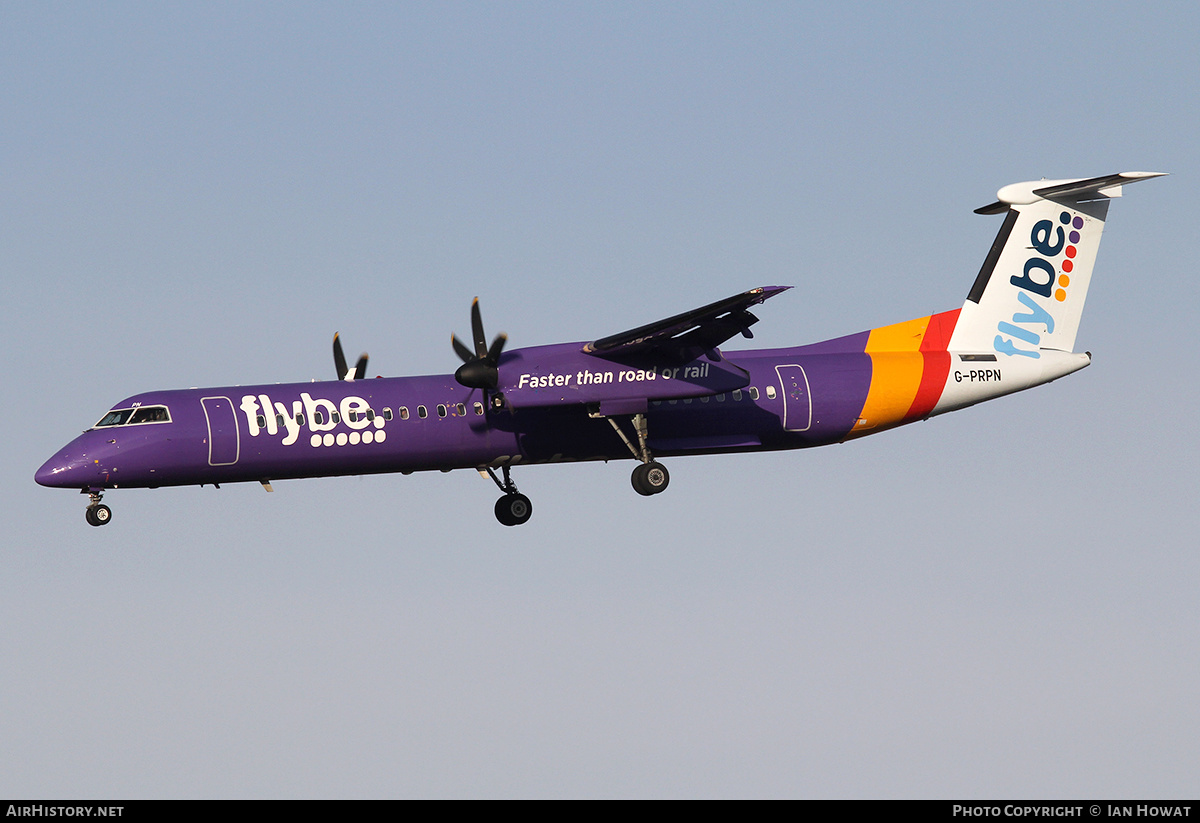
(770, 392)
(737, 394)
(720, 398)
(687, 401)
(299, 418)
(441, 410)
(279, 424)
(319, 418)
(673, 402)
(352, 417)
(422, 412)
(262, 421)
(704, 399)
(387, 414)
(478, 407)
(461, 409)
(403, 412)
(150, 414)
(371, 415)
(753, 393)
(337, 418)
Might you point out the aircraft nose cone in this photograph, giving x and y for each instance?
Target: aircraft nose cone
(58, 472)
(70, 468)
(50, 472)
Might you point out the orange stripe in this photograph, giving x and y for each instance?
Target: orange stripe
(896, 368)
(895, 377)
(899, 337)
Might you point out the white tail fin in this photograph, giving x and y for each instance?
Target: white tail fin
(1029, 294)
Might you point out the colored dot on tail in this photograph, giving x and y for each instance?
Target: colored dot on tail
(1077, 222)
(1064, 281)
(1073, 237)
(1060, 295)
(1071, 251)
(1064, 218)
(1068, 265)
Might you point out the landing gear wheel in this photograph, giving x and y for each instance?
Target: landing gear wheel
(513, 509)
(650, 478)
(98, 515)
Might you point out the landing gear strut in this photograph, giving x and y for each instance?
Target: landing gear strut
(651, 477)
(513, 508)
(96, 514)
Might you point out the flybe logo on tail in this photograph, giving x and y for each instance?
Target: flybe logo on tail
(1046, 274)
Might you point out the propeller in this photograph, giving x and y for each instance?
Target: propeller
(480, 368)
(339, 362)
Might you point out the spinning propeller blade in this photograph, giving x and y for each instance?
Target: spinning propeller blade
(339, 362)
(480, 368)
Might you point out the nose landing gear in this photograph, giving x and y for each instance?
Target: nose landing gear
(96, 514)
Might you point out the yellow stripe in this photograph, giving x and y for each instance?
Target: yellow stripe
(896, 367)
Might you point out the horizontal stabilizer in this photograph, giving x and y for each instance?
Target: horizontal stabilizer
(1023, 194)
(1097, 184)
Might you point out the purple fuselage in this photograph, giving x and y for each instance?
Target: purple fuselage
(548, 407)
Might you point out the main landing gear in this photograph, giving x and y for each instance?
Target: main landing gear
(96, 514)
(513, 508)
(651, 477)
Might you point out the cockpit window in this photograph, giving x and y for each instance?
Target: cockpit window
(150, 414)
(116, 417)
(132, 417)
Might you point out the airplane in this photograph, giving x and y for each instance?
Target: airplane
(665, 389)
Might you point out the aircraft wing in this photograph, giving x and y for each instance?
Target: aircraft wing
(686, 336)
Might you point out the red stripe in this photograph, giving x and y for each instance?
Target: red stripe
(936, 365)
(941, 329)
(933, 380)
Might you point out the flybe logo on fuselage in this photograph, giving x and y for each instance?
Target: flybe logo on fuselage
(320, 416)
(1044, 277)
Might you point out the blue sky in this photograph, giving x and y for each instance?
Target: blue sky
(999, 602)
